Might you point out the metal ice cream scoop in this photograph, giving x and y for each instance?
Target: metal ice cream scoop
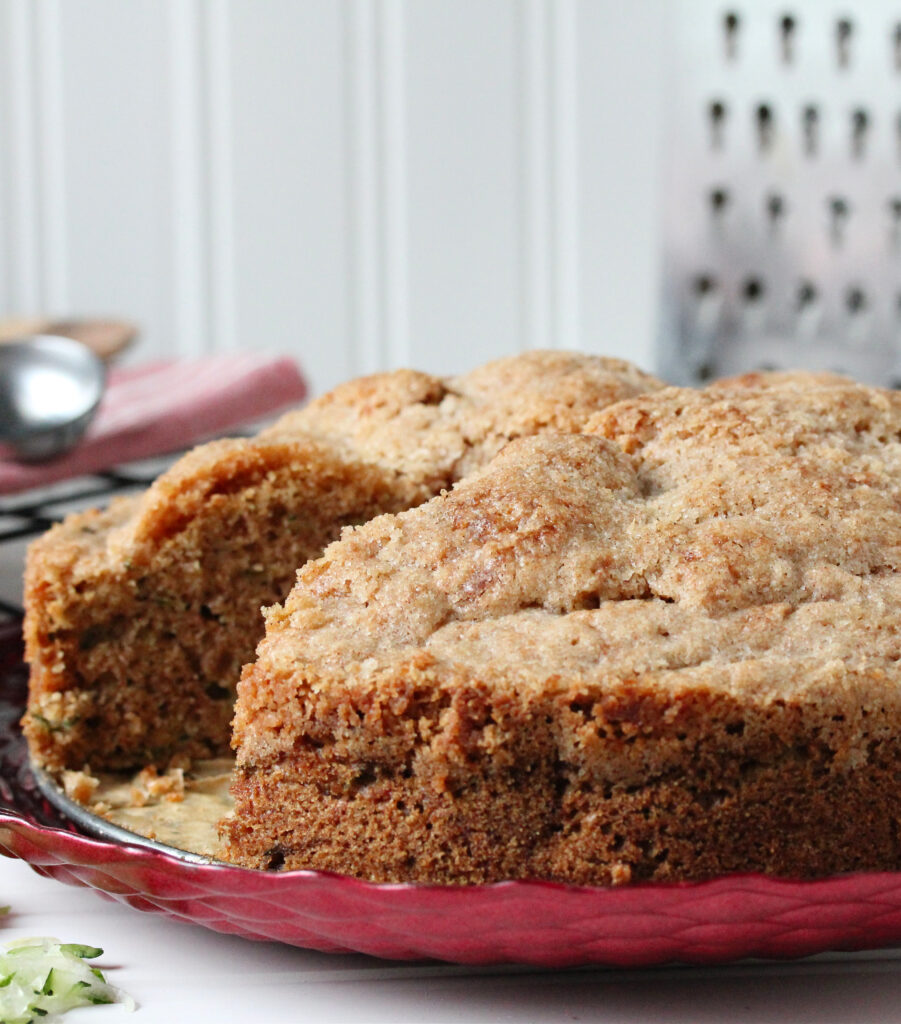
(50, 388)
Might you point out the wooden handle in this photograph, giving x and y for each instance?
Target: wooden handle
(106, 338)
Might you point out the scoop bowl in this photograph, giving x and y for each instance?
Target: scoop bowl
(50, 388)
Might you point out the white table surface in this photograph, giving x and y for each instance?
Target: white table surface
(179, 973)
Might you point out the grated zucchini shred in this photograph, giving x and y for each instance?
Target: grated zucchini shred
(42, 978)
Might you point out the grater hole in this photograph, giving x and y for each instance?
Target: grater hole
(808, 310)
(807, 295)
(731, 27)
(844, 30)
(753, 290)
(856, 300)
(717, 113)
(765, 120)
(719, 200)
(839, 212)
(860, 123)
(708, 304)
(787, 31)
(810, 128)
(896, 45)
(775, 208)
(894, 212)
(703, 285)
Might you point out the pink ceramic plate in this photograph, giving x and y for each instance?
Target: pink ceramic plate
(539, 923)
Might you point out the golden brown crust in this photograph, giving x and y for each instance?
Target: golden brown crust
(138, 619)
(438, 430)
(664, 649)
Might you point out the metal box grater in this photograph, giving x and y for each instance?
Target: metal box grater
(782, 190)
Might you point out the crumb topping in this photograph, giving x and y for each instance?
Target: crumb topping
(744, 536)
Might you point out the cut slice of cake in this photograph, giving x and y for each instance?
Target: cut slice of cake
(138, 618)
(665, 649)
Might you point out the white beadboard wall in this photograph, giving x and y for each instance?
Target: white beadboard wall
(361, 183)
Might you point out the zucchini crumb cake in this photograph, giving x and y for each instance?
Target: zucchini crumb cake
(666, 648)
(600, 633)
(139, 618)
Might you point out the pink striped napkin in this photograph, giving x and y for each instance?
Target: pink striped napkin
(162, 407)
